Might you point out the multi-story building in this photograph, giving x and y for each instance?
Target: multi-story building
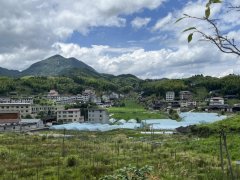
(170, 96)
(98, 116)
(186, 104)
(16, 100)
(69, 116)
(216, 101)
(185, 95)
(114, 95)
(53, 95)
(23, 108)
(36, 109)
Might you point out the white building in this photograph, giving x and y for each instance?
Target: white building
(35, 123)
(53, 95)
(98, 116)
(88, 92)
(16, 100)
(36, 109)
(216, 101)
(114, 95)
(170, 96)
(188, 104)
(185, 95)
(69, 116)
(23, 108)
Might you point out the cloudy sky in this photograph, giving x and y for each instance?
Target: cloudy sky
(116, 36)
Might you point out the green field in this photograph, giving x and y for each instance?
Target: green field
(134, 110)
(93, 155)
(103, 155)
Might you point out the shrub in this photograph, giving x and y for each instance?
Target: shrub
(71, 161)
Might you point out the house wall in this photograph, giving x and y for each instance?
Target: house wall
(170, 96)
(68, 116)
(98, 116)
(23, 108)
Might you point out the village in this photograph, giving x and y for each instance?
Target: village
(31, 114)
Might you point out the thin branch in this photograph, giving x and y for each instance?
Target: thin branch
(223, 43)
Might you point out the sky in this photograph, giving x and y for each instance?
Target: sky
(137, 37)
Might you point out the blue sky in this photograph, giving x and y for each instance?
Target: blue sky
(116, 36)
(128, 35)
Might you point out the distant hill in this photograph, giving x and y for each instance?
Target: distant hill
(67, 75)
(57, 65)
(10, 73)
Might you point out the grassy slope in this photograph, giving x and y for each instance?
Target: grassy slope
(133, 110)
(229, 124)
(98, 154)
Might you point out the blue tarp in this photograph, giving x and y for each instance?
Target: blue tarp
(188, 118)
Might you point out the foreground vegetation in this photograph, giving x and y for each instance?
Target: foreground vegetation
(131, 109)
(107, 155)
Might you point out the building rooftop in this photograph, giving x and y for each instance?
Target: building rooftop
(16, 103)
(67, 110)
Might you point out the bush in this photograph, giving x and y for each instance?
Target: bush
(44, 138)
(4, 154)
(71, 161)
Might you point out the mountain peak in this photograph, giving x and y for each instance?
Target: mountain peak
(56, 65)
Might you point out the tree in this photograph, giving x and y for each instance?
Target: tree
(218, 38)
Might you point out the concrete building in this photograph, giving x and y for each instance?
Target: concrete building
(69, 116)
(23, 108)
(216, 101)
(188, 104)
(185, 95)
(52, 110)
(53, 95)
(98, 116)
(11, 121)
(113, 96)
(33, 123)
(16, 100)
(170, 96)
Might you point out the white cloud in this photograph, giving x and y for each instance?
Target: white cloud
(162, 22)
(184, 62)
(138, 22)
(28, 29)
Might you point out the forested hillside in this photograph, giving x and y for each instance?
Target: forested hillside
(75, 82)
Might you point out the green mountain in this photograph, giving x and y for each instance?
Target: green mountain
(55, 66)
(10, 73)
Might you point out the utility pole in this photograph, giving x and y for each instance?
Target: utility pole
(221, 152)
(223, 138)
(63, 145)
(228, 156)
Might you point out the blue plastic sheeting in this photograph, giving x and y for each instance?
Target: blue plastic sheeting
(188, 118)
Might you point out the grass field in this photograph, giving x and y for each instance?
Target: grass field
(133, 110)
(92, 155)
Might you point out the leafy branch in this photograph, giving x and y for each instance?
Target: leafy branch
(222, 42)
